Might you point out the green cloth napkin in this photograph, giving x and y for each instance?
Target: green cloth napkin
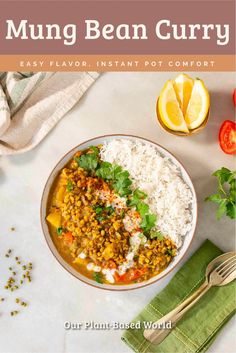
(199, 327)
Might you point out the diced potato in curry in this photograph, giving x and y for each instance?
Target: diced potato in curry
(54, 218)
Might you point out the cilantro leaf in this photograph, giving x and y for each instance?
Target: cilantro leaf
(136, 197)
(69, 186)
(122, 184)
(104, 171)
(148, 219)
(214, 198)
(169, 252)
(226, 196)
(139, 194)
(119, 178)
(156, 234)
(101, 218)
(94, 149)
(89, 161)
(221, 209)
(108, 171)
(109, 209)
(97, 277)
(224, 175)
(142, 208)
(98, 210)
(59, 230)
(231, 210)
(232, 191)
(148, 222)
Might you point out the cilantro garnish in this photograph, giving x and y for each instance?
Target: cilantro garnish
(156, 234)
(98, 210)
(60, 230)
(97, 277)
(119, 178)
(108, 171)
(136, 197)
(225, 198)
(103, 212)
(169, 252)
(69, 186)
(109, 209)
(142, 208)
(101, 218)
(90, 160)
(122, 184)
(148, 222)
(148, 219)
(94, 149)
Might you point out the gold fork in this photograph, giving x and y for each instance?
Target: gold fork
(224, 273)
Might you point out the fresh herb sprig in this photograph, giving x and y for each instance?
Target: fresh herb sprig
(90, 160)
(225, 198)
(97, 277)
(69, 186)
(103, 212)
(61, 230)
(120, 179)
(148, 219)
(156, 234)
(113, 173)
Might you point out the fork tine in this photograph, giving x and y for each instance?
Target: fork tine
(228, 271)
(229, 263)
(223, 264)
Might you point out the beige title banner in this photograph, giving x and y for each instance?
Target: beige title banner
(104, 63)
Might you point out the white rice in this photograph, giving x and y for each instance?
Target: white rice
(169, 197)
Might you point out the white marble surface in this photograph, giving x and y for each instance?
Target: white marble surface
(117, 103)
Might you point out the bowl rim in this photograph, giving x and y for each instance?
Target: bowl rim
(55, 252)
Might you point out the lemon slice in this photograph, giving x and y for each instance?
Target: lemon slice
(198, 105)
(183, 85)
(169, 109)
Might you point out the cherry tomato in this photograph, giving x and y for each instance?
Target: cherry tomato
(227, 137)
(234, 97)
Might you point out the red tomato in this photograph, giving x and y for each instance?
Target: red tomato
(234, 97)
(227, 137)
(68, 237)
(130, 275)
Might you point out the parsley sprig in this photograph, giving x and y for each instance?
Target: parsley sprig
(225, 198)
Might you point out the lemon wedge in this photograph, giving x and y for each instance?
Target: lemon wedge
(170, 110)
(198, 105)
(183, 85)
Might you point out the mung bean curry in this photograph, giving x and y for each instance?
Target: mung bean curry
(102, 226)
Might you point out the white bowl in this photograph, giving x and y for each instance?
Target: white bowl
(97, 141)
